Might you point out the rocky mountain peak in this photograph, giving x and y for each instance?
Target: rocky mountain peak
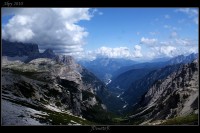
(176, 95)
(65, 59)
(13, 49)
(183, 59)
(49, 52)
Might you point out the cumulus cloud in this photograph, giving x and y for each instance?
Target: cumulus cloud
(55, 28)
(148, 41)
(113, 52)
(185, 42)
(118, 52)
(137, 51)
(169, 51)
(172, 47)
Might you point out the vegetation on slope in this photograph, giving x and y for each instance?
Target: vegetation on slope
(191, 119)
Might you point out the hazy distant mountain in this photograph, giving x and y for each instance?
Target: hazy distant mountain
(104, 68)
(122, 82)
(49, 89)
(145, 65)
(158, 63)
(163, 59)
(182, 59)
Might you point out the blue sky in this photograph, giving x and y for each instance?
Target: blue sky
(136, 33)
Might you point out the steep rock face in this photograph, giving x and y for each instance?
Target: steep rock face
(176, 95)
(139, 87)
(40, 74)
(18, 49)
(47, 84)
(69, 61)
(48, 53)
(97, 87)
(160, 71)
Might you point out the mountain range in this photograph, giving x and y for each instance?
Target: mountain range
(127, 75)
(51, 85)
(104, 68)
(173, 99)
(50, 89)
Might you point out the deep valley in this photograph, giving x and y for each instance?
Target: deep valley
(50, 89)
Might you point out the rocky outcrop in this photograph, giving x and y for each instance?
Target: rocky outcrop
(176, 95)
(97, 87)
(69, 61)
(46, 84)
(13, 49)
(48, 53)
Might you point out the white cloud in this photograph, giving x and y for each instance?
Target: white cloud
(118, 52)
(148, 41)
(167, 16)
(54, 28)
(193, 50)
(137, 51)
(174, 34)
(191, 12)
(188, 11)
(96, 11)
(173, 48)
(169, 51)
(171, 27)
(184, 42)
